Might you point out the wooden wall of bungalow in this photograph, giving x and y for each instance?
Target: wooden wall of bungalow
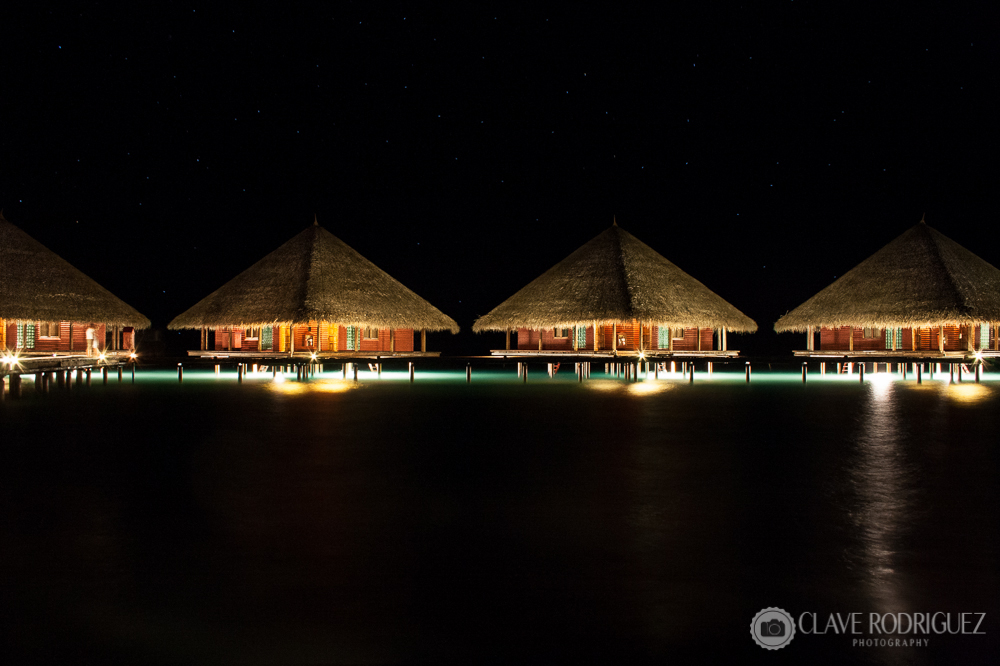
(956, 338)
(561, 339)
(312, 337)
(61, 336)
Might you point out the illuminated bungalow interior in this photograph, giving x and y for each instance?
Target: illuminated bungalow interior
(922, 296)
(313, 295)
(615, 295)
(47, 305)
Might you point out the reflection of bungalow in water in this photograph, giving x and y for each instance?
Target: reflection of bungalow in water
(47, 305)
(922, 295)
(314, 294)
(616, 295)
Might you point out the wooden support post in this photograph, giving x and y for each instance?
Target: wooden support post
(596, 345)
(978, 365)
(614, 338)
(959, 373)
(920, 373)
(850, 340)
(725, 344)
(133, 372)
(291, 339)
(180, 372)
(88, 376)
(691, 372)
(941, 339)
(524, 373)
(354, 368)
(951, 373)
(508, 340)
(411, 372)
(15, 386)
(104, 374)
(71, 336)
(392, 339)
(576, 346)
(541, 332)
(468, 373)
(423, 341)
(913, 338)
(861, 373)
(697, 335)
(119, 374)
(804, 373)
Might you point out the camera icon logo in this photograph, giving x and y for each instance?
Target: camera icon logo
(772, 628)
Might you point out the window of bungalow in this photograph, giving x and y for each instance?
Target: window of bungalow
(48, 329)
(371, 333)
(678, 334)
(560, 332)
(871, 333)
(252, 332)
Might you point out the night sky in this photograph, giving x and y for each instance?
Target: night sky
(466, 150)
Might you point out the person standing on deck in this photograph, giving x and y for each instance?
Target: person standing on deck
(91, 339)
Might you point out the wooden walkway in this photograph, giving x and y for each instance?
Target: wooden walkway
(33, 363)
(584, 354)
(305, 356)
(896, 355)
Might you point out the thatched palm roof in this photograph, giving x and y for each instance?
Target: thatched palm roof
(314, 277)
(922, 278)
(614, 277)
(36, 284)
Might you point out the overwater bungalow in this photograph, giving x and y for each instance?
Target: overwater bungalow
(49, 308)
(921, 296)
(313, 295)
(616, 296)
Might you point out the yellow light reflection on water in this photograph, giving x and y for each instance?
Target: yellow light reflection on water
(967, 394)
(649, 388)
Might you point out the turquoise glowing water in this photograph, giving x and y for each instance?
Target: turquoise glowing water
(381, 520)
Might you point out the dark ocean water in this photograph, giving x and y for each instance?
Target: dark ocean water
(497, 522)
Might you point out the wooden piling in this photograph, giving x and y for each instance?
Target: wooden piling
(411, 372)
(133, 373)
(959, 373)
(691, 372)
(524, 373)
(354, 369)
(861, 373)
(804, 373)
(951, 373)
(104, 374)
(468, 373)
(15, 386)
(88, 376)
(119, 374)
(748, 372)
(920, 373)
(180, 372)
(977, 372)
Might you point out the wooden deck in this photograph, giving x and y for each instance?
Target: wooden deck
(244, 356)
(30, 363)
(584, 354)
(899, 354)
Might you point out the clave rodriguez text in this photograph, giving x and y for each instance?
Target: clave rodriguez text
(893, 623)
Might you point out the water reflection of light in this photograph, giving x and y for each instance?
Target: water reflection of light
(881, 385)
(879, 472)
(603, 385)
(967, 394)
(649, 388)
(333, 386)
